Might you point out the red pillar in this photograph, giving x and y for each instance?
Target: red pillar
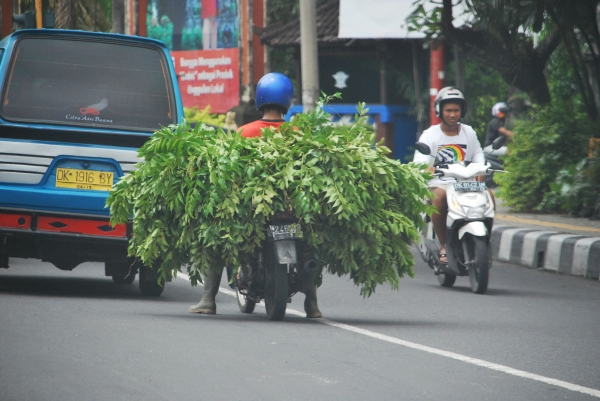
(142, 12)
(246, 73)
(436, 68)
(258, 50)
(7, 12)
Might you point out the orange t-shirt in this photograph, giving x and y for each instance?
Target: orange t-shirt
(252, 130)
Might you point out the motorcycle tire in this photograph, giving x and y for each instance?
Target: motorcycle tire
(244, 302)
(276, 291)
(476, 250)
(446, 280)
(149, 285)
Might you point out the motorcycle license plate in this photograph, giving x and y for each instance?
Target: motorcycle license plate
(277, 232)
(469, 186)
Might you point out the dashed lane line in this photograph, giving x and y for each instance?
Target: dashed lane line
(436, 351)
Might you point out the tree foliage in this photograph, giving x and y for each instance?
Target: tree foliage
(551, 139)
(202, 198)
(543, 145)
(493, 37)
(83, 14)
(502, 34)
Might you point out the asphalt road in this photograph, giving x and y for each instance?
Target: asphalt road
(77, 336)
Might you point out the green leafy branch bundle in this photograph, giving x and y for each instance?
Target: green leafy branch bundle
(202, 198)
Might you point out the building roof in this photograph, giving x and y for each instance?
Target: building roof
(284, 35)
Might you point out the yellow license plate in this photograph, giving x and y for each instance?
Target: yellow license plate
(84, 179)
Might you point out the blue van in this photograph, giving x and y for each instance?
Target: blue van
(75, 108)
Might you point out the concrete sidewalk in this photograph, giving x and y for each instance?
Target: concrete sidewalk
(554, 242)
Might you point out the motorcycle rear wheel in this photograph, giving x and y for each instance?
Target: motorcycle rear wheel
(476, 251)
(276, 291)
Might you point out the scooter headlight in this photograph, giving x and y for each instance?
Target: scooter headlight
(456, 206)
(475, 212)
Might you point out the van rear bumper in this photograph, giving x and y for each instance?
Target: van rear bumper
(64, 240)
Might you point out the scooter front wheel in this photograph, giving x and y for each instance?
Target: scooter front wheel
(476, 253)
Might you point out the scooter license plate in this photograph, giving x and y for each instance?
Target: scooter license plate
(277, 232)
(469, 186)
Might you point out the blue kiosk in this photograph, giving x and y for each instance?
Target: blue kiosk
(392, 123)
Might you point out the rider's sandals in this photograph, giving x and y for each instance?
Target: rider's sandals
(443, 255)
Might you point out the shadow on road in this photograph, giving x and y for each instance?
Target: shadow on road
(515, 293)
(293, 319)
(70, 287)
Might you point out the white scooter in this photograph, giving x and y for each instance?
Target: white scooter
(469, 226)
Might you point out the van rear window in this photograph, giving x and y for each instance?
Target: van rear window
(90, 84)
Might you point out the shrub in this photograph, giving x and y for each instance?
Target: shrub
(578, 187)
(192, 114)
(555, 136)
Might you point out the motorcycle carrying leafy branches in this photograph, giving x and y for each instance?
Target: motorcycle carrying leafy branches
(281, 267)
(277, 210)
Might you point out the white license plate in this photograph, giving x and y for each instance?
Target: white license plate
(469, 186)
(284, 231)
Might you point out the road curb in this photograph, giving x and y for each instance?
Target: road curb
(570, 254)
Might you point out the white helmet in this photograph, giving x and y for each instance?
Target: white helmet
(450, 94)
(500, 107)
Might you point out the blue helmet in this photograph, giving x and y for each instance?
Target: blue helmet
(274, 89)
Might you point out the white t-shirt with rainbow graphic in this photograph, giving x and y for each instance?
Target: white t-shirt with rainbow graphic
(449, 149)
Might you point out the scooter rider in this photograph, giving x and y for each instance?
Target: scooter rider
(274, 95)
(450, 142)
(496, 127)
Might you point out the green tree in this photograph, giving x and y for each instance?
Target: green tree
(495, 38)
(517, 37)
(547, 146)
(83, 14)
(577, 24)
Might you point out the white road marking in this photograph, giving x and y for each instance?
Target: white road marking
(436, 351)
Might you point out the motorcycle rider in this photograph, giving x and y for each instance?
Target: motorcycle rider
(274, 96)
(450, 142)
(496, 127)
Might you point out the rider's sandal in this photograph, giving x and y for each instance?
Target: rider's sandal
(443, 255)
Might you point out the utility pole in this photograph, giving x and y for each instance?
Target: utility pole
(309, 54)
(38, 14)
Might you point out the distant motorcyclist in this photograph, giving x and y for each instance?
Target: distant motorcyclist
(450, 142)
(274, 96)
(496, 127)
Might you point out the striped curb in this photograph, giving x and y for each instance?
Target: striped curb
(558, 252)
